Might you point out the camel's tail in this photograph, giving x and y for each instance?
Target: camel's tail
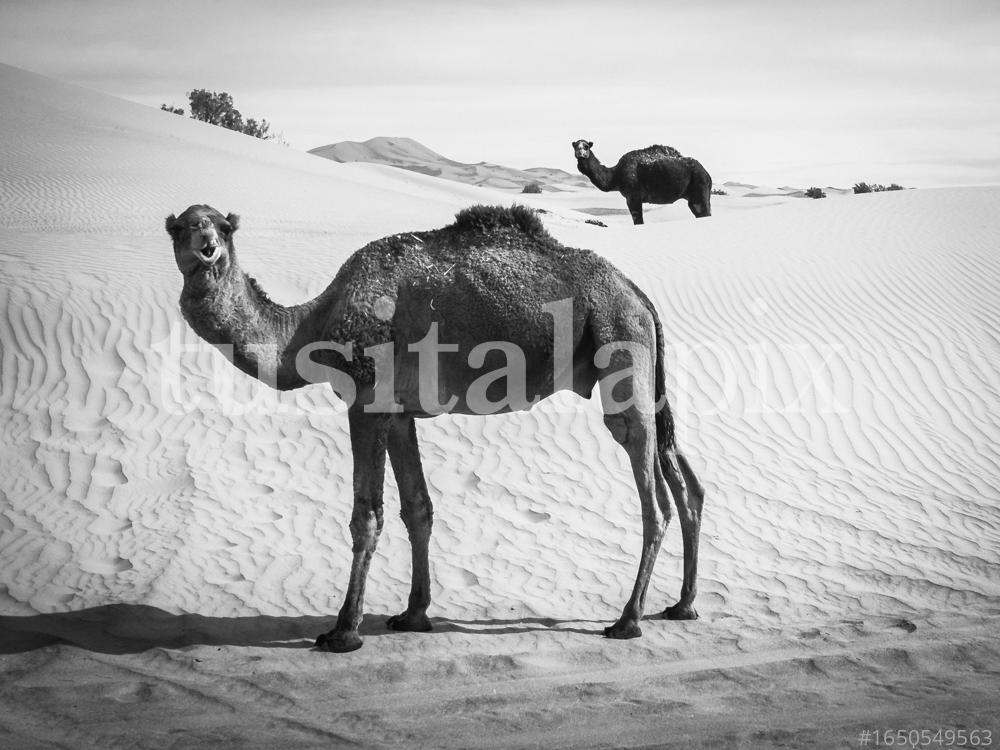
(665, 440)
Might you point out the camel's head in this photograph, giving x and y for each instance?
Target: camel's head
(203, 238)
(581, 149)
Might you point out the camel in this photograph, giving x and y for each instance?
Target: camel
(406, 330)
(655, 174)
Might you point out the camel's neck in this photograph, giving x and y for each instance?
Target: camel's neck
(261, 337)
(600, 175)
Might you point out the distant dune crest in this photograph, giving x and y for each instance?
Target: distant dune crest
(407, 153)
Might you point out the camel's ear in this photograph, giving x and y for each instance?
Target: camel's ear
(234, 222)
(172, 229)
(590, 144)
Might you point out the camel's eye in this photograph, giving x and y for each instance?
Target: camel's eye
(225, 229)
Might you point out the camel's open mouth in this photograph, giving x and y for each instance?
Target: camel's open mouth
(209, 253)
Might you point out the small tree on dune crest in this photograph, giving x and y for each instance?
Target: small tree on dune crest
(815, 192)
(218, 109)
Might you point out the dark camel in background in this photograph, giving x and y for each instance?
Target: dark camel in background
(655, 174)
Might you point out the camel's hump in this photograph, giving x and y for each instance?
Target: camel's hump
(657, 149)
(480, 218)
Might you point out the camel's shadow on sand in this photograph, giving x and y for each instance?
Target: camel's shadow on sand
(134, 628)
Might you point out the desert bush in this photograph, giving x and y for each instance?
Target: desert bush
(719, 191)
(218, 109)
(815, 192)
(532, 187)
(864, 187)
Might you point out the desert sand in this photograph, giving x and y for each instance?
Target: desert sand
(173, 536)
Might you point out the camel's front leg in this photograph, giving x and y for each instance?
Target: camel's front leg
(635, 208)
(369, 434)
(404, 453)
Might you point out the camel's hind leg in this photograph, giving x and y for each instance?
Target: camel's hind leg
(689, 496)
(699, 195)
(637, 434)
(700, 207)
(404, 454)
(627, 385)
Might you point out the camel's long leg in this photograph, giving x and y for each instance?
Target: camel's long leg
(369, 434)
(706, 201)
(699, 195)
(689, 497)
(636, 432)
(700, 208)
(634, 208)
(404, 453)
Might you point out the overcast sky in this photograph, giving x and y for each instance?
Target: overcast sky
(774, 92)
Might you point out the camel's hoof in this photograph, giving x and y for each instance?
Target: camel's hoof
(677, 612)
(339, 643)
(409, 623)
(621, 631)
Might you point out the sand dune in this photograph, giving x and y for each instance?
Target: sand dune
(173, 535)
(407, 153)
